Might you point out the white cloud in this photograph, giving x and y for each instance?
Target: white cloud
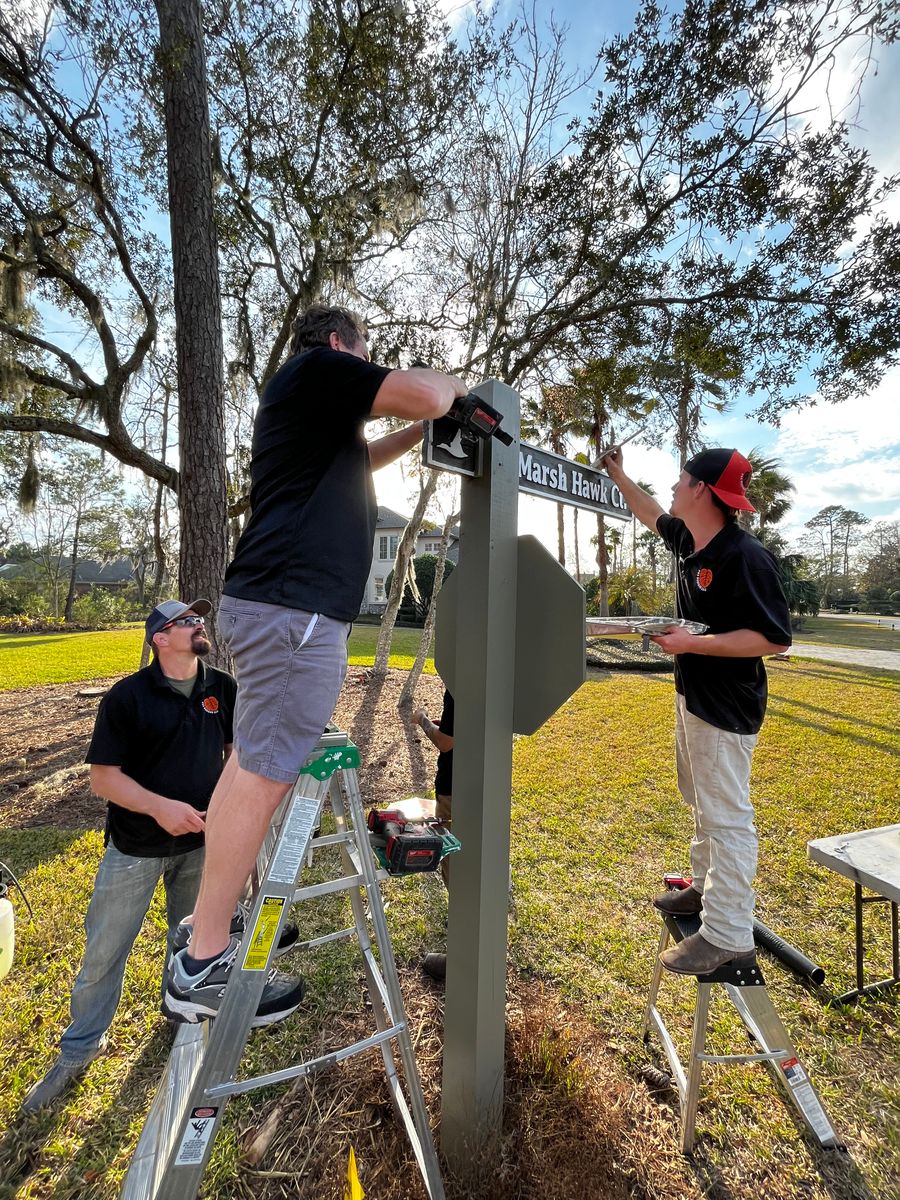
(846, 454)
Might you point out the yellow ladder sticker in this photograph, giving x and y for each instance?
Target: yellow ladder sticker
(256, 956)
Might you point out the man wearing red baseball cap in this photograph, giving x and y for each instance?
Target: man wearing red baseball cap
(727, 580)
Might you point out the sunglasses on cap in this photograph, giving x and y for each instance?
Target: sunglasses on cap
(182, 621)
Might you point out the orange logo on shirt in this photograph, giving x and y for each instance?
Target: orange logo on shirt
(704, 578)
(211, 704)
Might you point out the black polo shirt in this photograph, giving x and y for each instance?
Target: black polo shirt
(308, 543)
(168, 743)
(732, 583)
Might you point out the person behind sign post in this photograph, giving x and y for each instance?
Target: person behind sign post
(441, 737)
(160, 740)
(729, 581)
(296, 582)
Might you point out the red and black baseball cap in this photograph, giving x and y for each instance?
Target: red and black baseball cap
(725, 472)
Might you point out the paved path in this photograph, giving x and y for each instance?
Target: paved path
(880, 660)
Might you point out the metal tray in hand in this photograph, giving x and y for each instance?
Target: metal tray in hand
(616, 626)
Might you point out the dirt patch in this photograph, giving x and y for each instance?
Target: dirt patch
(44, 733)
(575, 1124)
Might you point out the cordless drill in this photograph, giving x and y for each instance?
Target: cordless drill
(474, 416)
(407, 848)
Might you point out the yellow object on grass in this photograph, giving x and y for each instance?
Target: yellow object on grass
(353, 1188)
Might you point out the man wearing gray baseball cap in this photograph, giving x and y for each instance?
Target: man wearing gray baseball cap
(161, 738)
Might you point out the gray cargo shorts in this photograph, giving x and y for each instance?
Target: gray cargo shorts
(290, 666)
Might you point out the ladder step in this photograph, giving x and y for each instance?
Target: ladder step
(308, 1068)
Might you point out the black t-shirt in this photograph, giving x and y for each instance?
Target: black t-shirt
(308, 543)
(168, 743)
(732, 583)
(443, 780)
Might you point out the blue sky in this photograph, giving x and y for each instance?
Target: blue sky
(846, 454)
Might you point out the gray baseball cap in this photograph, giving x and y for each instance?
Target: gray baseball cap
(170, 610)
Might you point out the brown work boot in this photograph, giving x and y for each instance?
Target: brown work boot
(681, 902)
(696, 956)
(435, 965)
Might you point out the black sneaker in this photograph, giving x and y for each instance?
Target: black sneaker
(193, 998)
(288, 939)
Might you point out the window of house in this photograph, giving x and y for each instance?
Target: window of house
(379, 588)
(394, 540)
(382, 547)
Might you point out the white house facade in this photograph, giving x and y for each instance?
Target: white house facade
(388, 531)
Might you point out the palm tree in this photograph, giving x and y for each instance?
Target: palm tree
(767, 492)
(608, 391)
(552, 419)
(614, 540)
(649, 489)
(697, 371)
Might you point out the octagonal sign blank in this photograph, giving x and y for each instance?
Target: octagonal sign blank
(550, 647)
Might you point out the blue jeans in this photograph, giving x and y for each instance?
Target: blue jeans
(123, 891)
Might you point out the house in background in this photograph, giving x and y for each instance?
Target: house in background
(388, 531)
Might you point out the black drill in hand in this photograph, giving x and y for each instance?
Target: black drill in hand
(474, 416)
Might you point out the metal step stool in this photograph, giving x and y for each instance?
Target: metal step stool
(748, 993)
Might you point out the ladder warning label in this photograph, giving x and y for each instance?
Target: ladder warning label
(256, 956)
(807, 1100)
(197, 1136)
(293, 840)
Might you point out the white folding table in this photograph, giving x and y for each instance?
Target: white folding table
(871, 858)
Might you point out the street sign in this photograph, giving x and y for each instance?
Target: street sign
(549, 650)
(543, 473)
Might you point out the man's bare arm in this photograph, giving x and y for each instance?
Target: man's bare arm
(642, 504)
(393, 445)
(418, 394)
(174, 816)
(737, 643)
(440, 740)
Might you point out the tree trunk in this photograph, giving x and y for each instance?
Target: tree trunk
(577, 550)
(602, 565)
(683, 431)
(198, 315)
(70, 595)
(159, 549)
(412, 679)
(561, 534)
(405, 552)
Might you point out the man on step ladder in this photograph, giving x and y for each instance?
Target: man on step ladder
(727, 580)
(293, 588)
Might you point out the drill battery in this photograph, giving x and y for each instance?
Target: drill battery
(404, 847)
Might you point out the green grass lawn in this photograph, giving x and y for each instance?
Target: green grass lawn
(596, 822)
(27, 660)
(845, 631)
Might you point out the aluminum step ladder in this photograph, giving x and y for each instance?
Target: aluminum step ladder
(199, 1078)
(746, 988)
